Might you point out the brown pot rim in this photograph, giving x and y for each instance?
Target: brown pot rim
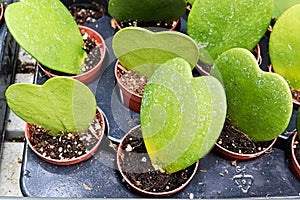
(241, 156)
(1, 12)
(143, 192)
(294, 163)
(73, 160)
(93, 72)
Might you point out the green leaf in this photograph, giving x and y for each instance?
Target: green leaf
(142, 49)
(147, 10)
(191, 1)
(60, 104)
(284, 46)
(47, 31)
(181, 116)
(281, 5)
(259, 103)
(220, 25)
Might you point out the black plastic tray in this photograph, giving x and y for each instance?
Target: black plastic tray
(8, 58)
(98, 177)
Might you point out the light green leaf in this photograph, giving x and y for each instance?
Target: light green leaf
(181, 116)
(284, 46)
(220, 25)
(259, 103)
(60, 104)
(281, 5)
(147, 10)
(142, 49)
(47, 31)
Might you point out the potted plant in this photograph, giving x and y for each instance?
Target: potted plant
(146, 14)
(220, 26)
(140, 51)
(295, 150)
(284, 49)
(64, 125)
(48, 32)
(259, 103)
(181, 118)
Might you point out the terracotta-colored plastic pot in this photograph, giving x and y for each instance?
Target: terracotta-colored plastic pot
(240, 156)
(94, 73)
(128, 98)
(120, 156)
(294, 163)
(76, 160)
(117, 25)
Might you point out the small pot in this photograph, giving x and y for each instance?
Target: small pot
(128, 98)
(120, 158)
(72, 161)
(294, 163)
(240, 156)
(94, 73)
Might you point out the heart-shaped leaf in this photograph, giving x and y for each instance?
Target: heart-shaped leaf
(47, 31)
(142, 49)
(280, 6)
(150, 10)
(259, 103)
(181, 116)
(220, 25)
(60, 104)
(285, 47)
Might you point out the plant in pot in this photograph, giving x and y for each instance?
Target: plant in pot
(140, 51)
(48, 32)
(259, 105)
(155, 13)
(219, 26)
(284, 49)
(181, 118)
(295, 149)
(63, 124)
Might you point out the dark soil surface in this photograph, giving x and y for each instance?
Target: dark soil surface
(134, 23)
(87, 13)
(66, 146)
(133, 81)
(235, 140)
(137, 167)
(93, 57)
(296, 95)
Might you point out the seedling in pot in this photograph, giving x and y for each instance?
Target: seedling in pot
(181, 116)
(284, 48)
(60, 107)
(48, 32)
(146, 11)
(259, 103)
(219, 26)
(141, 51)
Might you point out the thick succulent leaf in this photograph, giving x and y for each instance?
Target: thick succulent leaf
(285, 47)
(191, 1)
(281, 5)
(220, 25)
(142, 49)
(259, 103)
(60, 104)
(181, 116)
(146, 10)
(47, 31)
